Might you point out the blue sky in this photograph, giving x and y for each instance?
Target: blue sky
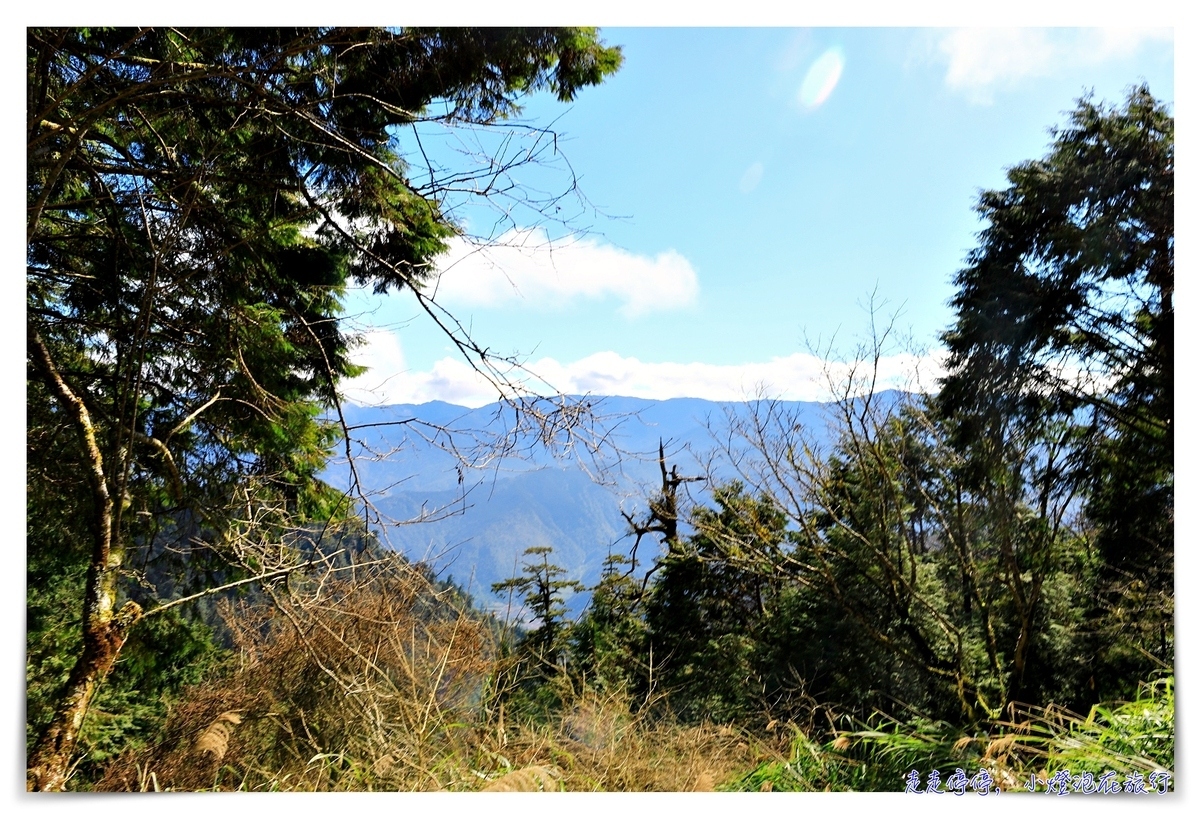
(747, 189)
(873, 186)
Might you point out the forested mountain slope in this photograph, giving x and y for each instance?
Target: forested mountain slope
(415, 461)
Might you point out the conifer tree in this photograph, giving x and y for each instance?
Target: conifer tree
(198, 200)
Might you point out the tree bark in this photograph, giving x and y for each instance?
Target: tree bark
(50, 761)
(104, 629)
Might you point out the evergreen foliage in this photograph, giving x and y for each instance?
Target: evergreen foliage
(198, 202)
(540, 653)
(706, 612)
(950, 584)
(1065, 320)
(960, 555)
(608, 644)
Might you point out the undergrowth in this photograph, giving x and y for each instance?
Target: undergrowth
(1034, 744)
(383, 682)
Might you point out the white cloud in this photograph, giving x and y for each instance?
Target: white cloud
(982, 60)
(979, 58)
(524, 266)
(388, 379)
(793, 377)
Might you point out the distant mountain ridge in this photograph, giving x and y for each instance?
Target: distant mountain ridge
(480, 520)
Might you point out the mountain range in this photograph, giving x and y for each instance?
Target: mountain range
(456, 488)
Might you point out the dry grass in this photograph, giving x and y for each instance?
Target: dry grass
(371, 683)
(598, 746)
(215, 739)
(338, 686)
(528, 779)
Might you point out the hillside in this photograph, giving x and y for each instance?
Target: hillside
(479, 519)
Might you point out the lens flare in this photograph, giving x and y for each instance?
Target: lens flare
(822, 78)
(751, 177)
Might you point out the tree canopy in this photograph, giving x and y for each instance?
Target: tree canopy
(1065, 320)
(1066, 308)
(201, 200)
(1006, 540)
(198, 201)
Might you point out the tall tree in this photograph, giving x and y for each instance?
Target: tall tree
(1065, 312)
(609, 640)
(197, 202)
(541, 587)
(706, 610)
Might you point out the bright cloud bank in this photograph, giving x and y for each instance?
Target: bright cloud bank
(794, 377)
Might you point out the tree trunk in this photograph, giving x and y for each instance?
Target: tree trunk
(50, 761)
(104, 630)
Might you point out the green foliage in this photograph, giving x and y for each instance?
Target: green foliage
(198, 202)
(163, 657)
(875, 759)
(52, 639)
(1126, 737)
(538, 660)
(1076, 265)
(810, 768)
(878, 758)
(708, 606)
(1134, 736)
(1065, 317)
(541, 589)
(608, 643)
